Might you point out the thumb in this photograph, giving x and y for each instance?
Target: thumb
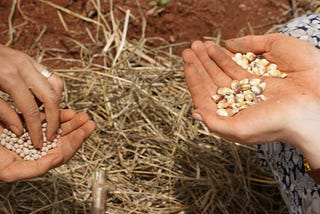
(256, 44)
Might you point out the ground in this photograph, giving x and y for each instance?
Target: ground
(180, 21)
(62, 33)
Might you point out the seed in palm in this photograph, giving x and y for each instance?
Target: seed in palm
(22, 144)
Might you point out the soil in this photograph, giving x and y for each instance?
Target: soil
(38, 29)
(36, 24)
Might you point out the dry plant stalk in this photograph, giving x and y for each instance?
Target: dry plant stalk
(98, 192)
(156, 158)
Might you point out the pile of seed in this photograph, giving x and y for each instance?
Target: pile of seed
(244, 93)
(257, 65)
(22, 145)
(241, 94)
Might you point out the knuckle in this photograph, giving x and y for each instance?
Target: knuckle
(9, 74)
(54, 98)
(22, 58)
(59, 85)
(32, 112)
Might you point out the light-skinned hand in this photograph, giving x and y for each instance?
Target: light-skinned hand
(290, 113)
(76, 128)
(20, 77)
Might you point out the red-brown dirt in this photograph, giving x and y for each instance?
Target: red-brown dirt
(38, 29)
(36, 24)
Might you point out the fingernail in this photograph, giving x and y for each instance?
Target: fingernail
(52, 136)
(197, 117)
(38, 146)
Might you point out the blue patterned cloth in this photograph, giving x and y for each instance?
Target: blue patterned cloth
(306, 27)
(299, 191)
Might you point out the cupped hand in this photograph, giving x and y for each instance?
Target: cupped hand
(21, 79)
(298, 58)
(76, 128)
(290, 113)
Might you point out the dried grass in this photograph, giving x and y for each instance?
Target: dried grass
(156, 158)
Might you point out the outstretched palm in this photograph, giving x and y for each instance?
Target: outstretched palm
(75, 129)
(288, 100)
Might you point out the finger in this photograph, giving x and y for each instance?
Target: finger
(208, 44)
(76, 139)
(216, 74)
(66, 115)
(28, 107)
(256, 44)
(51, 108)
(226, 64)
(10, 118)
(55, 81)
(49, 92)
(200, 85)
(41, 88)
(76, 122)
(68, 145)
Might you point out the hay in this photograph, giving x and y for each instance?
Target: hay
(156, 158)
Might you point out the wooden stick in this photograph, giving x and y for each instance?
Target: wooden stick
(98, 192)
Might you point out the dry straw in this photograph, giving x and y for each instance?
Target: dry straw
(156, 159)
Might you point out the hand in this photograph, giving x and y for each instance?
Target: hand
(21, 79)
(76, 128)
(294, 56)
(290, 113)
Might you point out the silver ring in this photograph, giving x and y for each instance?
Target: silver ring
(46, 73)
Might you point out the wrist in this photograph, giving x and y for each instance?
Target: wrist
(305, 140)
(312, 160)
(311, 163)
(302, 129)
(309, 147)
